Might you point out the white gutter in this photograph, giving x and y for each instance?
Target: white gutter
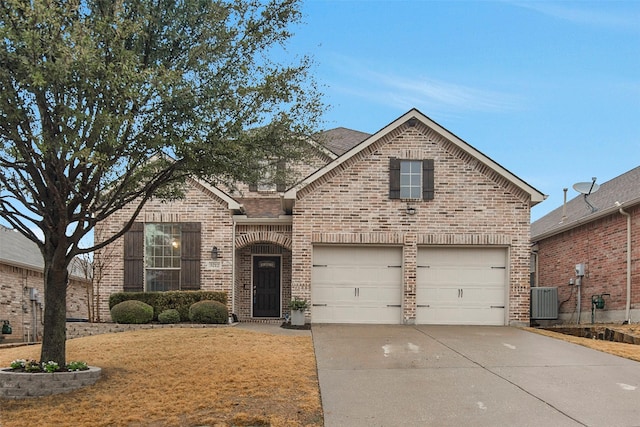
(628, 306)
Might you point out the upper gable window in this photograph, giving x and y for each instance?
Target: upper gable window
(411, 179)
(271, 177)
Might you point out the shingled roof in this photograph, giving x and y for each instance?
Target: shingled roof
(17, 250)
(340, 140)
(624, 189)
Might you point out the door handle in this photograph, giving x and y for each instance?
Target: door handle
(319, 305)
(423, 305)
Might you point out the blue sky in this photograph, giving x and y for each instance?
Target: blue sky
(548, 89)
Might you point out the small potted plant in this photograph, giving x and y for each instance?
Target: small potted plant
(298, 307)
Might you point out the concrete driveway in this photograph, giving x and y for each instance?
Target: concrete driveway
(394, 375)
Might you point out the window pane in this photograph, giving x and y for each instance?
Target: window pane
(162, 256)
(163, 280)
(410, 179)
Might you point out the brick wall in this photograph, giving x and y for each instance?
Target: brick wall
(472, 206)
(26, 316)
(198, 205)
(602, 246)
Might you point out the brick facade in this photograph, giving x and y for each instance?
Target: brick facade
(25, 315)
(473, 206)
(198, 205)
(602, 246)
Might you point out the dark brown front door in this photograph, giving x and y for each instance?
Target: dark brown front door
(266, 286)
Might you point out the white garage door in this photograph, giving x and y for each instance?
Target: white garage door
(356, 285)
(461, 286)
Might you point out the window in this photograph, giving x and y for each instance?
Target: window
(272, 179)
(411, 179)
(162, 257)
(162, 243)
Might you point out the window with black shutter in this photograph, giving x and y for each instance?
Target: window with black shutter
(162, 257)
(411, 179)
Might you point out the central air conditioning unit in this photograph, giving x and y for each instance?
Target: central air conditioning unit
(544, 303)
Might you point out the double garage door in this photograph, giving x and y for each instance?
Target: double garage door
(364, 285)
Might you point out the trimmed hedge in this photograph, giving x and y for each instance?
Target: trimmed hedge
(170, 315)
(161, 301)
(208, 312)
(136, 312)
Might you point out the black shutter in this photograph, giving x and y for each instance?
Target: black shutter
(427, 179)
(190, 256)
(394, 178)
(134, 258)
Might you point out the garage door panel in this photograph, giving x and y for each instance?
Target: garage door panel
(461, 286)
(356, 284)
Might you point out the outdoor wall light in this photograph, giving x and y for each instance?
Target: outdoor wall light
(411, 210)
(214, 252)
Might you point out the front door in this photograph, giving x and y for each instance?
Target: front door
(266, 286)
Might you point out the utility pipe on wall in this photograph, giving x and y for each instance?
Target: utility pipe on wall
(628, 306)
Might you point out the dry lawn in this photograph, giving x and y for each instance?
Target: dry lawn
(180, 377)
(628, 351)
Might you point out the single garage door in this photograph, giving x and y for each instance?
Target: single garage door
(356, 284)
(461, 286)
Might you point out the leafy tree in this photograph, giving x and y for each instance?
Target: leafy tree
(107, 102)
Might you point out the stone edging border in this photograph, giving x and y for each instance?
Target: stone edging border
(21, 385)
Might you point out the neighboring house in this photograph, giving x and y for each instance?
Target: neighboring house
(606, 239)
(409, 225)
(22, 287)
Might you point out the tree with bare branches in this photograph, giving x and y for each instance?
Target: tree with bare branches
(105, 103)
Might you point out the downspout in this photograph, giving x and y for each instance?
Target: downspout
(628, 306)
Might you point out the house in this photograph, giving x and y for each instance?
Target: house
(22, 287)
(408, 225)
(601, 231)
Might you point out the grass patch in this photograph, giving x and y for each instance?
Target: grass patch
(628, 351)
(181, 377)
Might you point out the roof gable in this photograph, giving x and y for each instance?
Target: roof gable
(223, 198)
(409, 118)
(624, 189)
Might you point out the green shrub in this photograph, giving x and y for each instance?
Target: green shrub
(132, 311)
(170, 315)
(208, 312)
(161, 301)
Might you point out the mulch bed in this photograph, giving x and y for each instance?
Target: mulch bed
(305, 327)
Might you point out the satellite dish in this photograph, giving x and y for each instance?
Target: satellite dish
(587, 188)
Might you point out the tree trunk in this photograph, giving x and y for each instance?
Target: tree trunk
(54, 339)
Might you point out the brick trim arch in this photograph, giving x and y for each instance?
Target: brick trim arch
(263, 236)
